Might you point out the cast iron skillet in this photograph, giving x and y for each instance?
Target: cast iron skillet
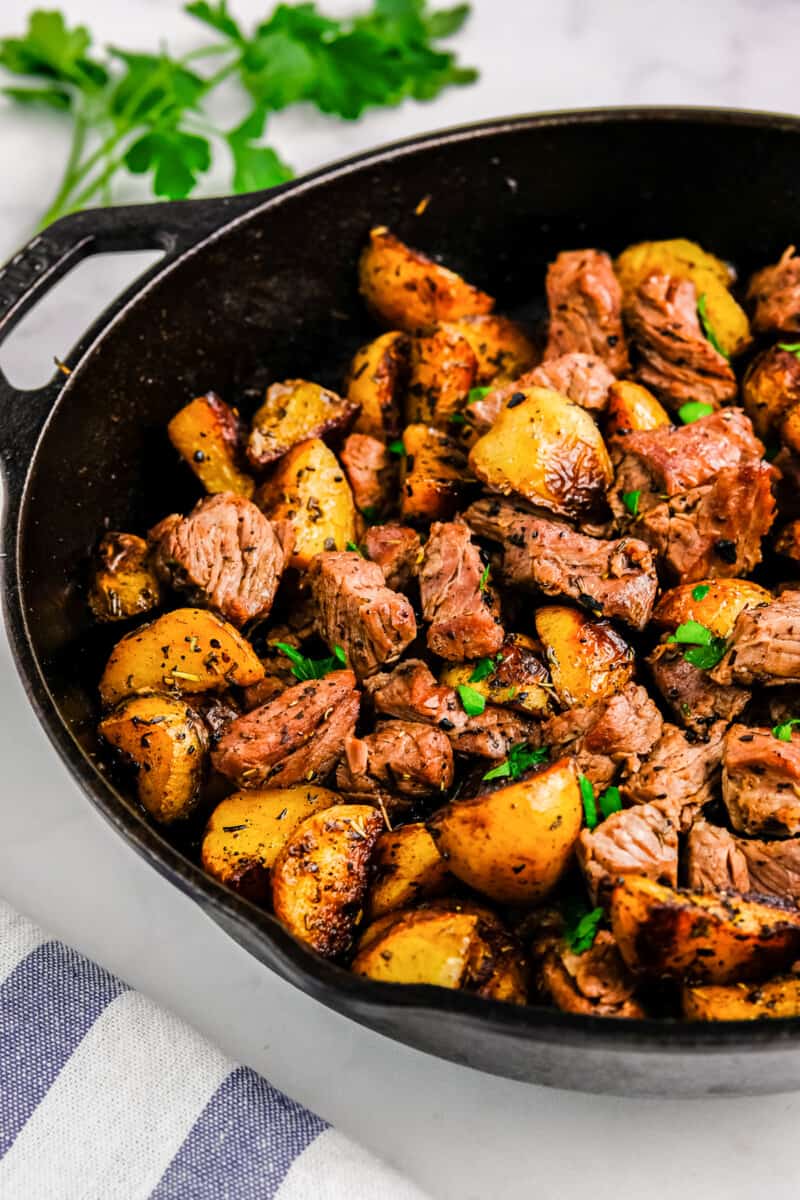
(263, 287)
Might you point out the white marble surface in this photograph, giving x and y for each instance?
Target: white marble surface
(459, 1134)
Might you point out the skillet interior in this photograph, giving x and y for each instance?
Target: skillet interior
(273, 295)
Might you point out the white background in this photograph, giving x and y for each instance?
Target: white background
(457, 1133)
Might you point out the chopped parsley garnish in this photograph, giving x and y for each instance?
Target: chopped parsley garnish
(783, 732)
(370, 514)
(520, 758)
(485, 667)
(477, 393)
(792, 347)
(701, 591)
(354, 548)
(706, 649)
(610, 801)
(484, 579)
(580, 932)
(631, 501)
(473, 701)
(708, 329)
(457, 418)
(304, 668)
(397, 447)
(589, 802)
(694, 410)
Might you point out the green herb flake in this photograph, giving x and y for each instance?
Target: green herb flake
(694, 410)
(354, 549)
(485, 667)
(477, 393)
(589, 803)
(708, 329)
(304, 668)
(631, 501)
(705, 651)
(580, 934)
(783, 732)
(457, 418)
(397, 447)
(701, 591)
(520, 759)
(473, 702)
(792, 347)
(609, 801)
(484, 581)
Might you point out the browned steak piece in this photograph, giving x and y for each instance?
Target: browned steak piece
(696, 700)
(584, 378)
(399, 762)
(608, 736)
(674, 357)
(761, 781)
(612, 578)
(585, 303)
(764, 646)
(595, 983)
(493, 733)
(775, 294)
(720, 861)
(297, 737)
(457, 601)
(356, 610)
(634, 841)
(225, 554)
(397, 550)
(369, 471)
(680, 773)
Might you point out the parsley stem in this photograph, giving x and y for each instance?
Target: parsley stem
(79, 132)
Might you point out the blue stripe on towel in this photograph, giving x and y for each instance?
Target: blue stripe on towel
(47, 1005)
(241, 1145)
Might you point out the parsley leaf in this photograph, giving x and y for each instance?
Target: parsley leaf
(581, 932)
(631, 501)
(783, 732)
(397, 447)
(477, 393)
(701, 591)
(354, 548)
(708, 330)
(254, 166)
(304, 668)
(457, 418)
(49, 49)
(484, 580)
(792, 347)
(694, 410)
(217, 16)
(485, 667)
(175, 158)
(692, 633)
(589, 803)
(609, 801)
(520, 759)
(706, 649)
(473, 702)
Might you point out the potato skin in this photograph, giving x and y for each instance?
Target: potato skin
(310, 490)
(319, 878)
(293, 412)
(247, 830)
(632, 407)
(501, 347)
(513, 843)
(546, 449)
(771, 389)
(588, 660)
(186, 650)
(376, 383)
(167, 741)
(418, 947)
(206, 433)
(717, 609)
(443, 369)
(701, 937)
(435, 477)
(519, 680)
(498, 968)
(124, 584)
(742, 1001)
(406, 867)
(406, 290)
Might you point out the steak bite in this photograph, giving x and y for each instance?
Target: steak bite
(399, 762)
(457, 602)
(584, 378)
(775, 294)
(595, 982)
(675, 358)
(225, 554)
(695, 699)
(641, 840)
(368, 467)
(356, 610)
(720, 861)
(585, 302)
(761, 781)
(604, 738)
(679, 775)
(764, 647)
(397, 549)
(295, 738)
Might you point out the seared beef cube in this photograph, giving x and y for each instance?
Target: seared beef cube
(584, 378)
(720, 861)
(761, 781)
(615, 733)
(225, 554)
(457, 601)
(397, 549)
(764, 646)
(356, 610)
(369, 471)
(773, 867)
(493, 733)
(585, 303)
(400, 762)
(775, 294)
(595, 982)
(696, 700)
(634, 841)
(675, 358)
(295, 738)
(609, 578)
(679, 774)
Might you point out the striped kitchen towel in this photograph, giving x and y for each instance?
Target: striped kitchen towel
(105, 1096)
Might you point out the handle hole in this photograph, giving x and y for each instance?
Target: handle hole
(54, 325)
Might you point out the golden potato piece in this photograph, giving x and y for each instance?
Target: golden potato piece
(377, 382)
(513, 843)
(309, 489)
(715, 603)
(443, 369)
(319, 878)
(790, 429)
(686, 260)
(502, 348)
(207, 435)
(419, 947)
(546, 449)
(187, 650)
(516, 678)
(770, 389)
(702, 937)
(588, 660)
(167, 742)
(406, 290)
(293, 412)
(407, 867)
(632, 407)
(124, 583)
(247, 830)
(498, 968)
(743, 1001)
(435, 475)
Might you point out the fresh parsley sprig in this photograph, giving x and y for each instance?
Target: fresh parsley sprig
(708, 328)
(485, 667)
(706, 649)
(598, 808)
(581, 924)
(304, 668)
(472, 701)
(783, 731)
(693, 410)
(521, 757)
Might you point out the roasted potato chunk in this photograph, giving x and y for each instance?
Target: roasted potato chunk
(498, 968)
(207, 435)
(319, 878)
(407, 290)
(376, 383)
(588, 660)
(419, 947)
(701, 937)
(711, 277)
(124, 583)
(631, 408)
(743, 1001)
(512, 843)
(502, 348)
(187, 650)
(515, 678)
(166, 741)
(407, 867)
(309, 489)
(715, 603)
(293, 412)
(771, 389)
(546, 449)
(443, 369)
(247, 831)
(435, 475)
